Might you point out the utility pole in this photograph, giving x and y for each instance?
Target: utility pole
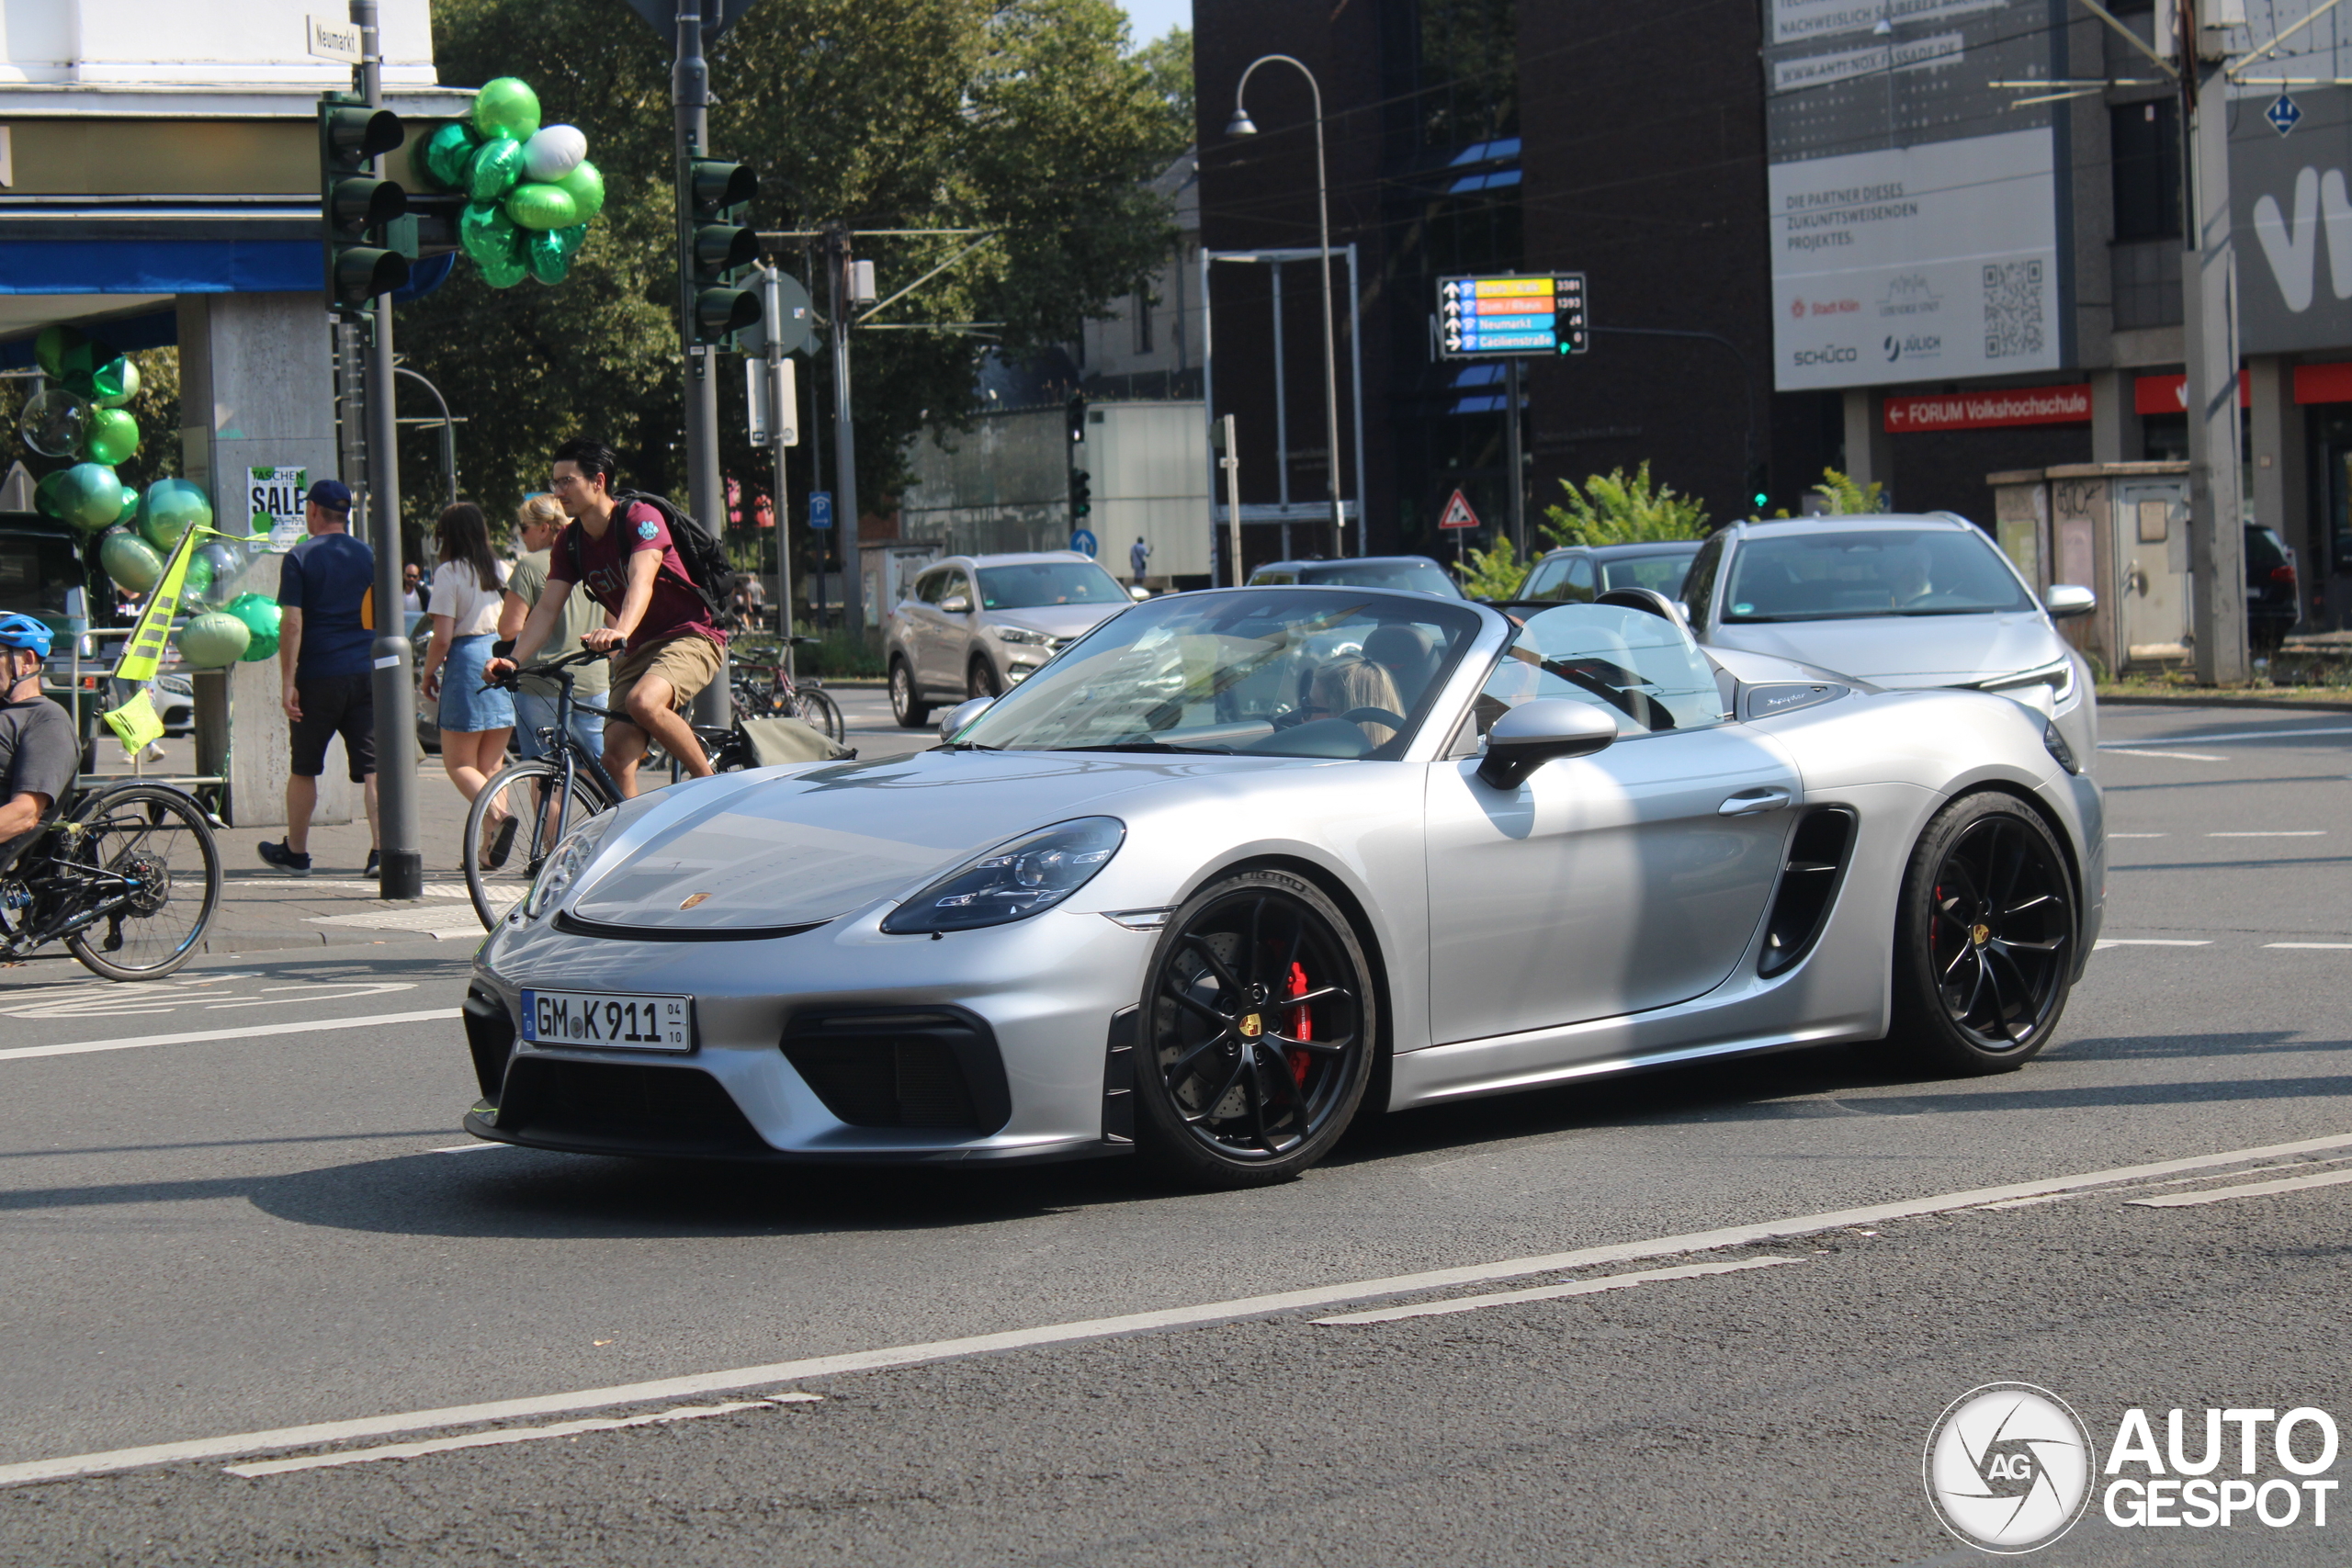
(1229, 459)
(2209, 282)
(837, 265)
(690, 99)
(782, 416)
(401, 871)
(1512, 457)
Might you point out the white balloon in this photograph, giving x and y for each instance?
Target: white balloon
(554, 152)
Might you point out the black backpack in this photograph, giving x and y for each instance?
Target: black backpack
(711, 574)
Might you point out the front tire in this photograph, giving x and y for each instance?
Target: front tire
(906, 699)
(1260, 1025)
(980, 680)
(157, 840)
(527, 792)
(1983, 939)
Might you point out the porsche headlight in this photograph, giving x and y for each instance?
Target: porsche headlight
(1013, 880)
(561, 872)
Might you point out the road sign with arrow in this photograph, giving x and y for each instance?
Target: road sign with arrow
(1499, 318)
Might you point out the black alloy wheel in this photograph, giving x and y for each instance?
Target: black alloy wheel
(1260, 1025)
(1984, 938)
(981, 680)
(906, 703)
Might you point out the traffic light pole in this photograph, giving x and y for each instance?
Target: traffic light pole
(401, 871)
(844, 439)
(690, 96)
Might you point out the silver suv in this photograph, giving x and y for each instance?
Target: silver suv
(975, 625)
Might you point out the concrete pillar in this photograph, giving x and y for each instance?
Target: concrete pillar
(1870, 450)
(257, 390)
(2280, 487)
(2116, 436)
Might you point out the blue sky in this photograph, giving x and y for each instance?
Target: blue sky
(1149, 19)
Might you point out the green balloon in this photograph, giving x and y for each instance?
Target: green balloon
(535, 205)
(49, 349)
(223, 563)
(130, 561)
(493, 169)
(546, 258)
(213, 640)
(107, 378)
(79, 367)
(126, 387)
(261, 616)
(112, 436)
(196, 583)
(506, 271)
(585, 186)
(569, 241)
(49, 497)
(446, 154)
(171, 509)
(129, 513)
(507, 107)
(88, 495)
(487, 235)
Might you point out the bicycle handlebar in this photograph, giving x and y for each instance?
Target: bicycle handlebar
(551, 666)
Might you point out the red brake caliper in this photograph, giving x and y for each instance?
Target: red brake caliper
(1304, 1025)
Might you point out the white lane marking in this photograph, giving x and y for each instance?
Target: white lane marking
(2106, 942)
(2327, 946)
(2139, 835)
(467, 1148)
(2238, 735)
(194, 1036)
(736, 1379)
(511, 1435)
(427, 920)
(1552, 1293)
(2256, 1189)
(2176, 756)
(431, 889)
(2276, 833)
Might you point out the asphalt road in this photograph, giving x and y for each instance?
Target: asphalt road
(209, 1238)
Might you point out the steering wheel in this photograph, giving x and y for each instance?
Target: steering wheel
(1373, 715)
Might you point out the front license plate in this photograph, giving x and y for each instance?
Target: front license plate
(609, 1021)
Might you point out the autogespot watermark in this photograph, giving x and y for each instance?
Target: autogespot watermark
(2011, 1468)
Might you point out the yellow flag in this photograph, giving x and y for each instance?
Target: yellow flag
(144, 652)
(135, 724)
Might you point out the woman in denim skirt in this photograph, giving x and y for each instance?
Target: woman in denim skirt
(467, 590)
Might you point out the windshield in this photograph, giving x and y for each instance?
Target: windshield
(1840, 576)
(1413, 576)
(1642, 668)
(1662, 573)
(1037, 583)
(1265, 672)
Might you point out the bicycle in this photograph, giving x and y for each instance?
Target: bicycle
(116, 857)
(784, 696)
(548, 796)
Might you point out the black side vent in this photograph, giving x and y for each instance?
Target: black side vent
(1817, 852)
(624, 1108)
(933, 1068)
(490, 1035)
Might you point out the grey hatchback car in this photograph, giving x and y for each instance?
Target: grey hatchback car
(977, 625)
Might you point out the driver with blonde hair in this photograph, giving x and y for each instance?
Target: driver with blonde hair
(1347, 684)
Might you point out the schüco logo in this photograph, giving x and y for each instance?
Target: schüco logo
(1825, 356)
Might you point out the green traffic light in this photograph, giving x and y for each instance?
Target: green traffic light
(1761, 498)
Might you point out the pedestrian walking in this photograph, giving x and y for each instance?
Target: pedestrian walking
(412, 589)
(466, 592)
(540, 522)
(1138, 558)
(672, 647)
(326, 679)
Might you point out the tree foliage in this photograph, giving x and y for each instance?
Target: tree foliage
(1617, 508)
(1846, 498)
(1025, 119)
(1492, 574)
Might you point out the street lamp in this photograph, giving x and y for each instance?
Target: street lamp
(1241, 124)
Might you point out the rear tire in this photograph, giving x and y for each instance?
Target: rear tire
(159, 838)
(906, 700)
(1983, 939)
(1237, 1084)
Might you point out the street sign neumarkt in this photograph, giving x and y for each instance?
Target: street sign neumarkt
(1508, 317)
(333, 41)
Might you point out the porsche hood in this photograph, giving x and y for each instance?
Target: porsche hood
(807, 845)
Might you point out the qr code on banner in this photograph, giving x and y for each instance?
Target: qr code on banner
(2012, 308)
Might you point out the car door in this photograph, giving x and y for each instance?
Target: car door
(1613, 884)
(954, 653)
(919, 623)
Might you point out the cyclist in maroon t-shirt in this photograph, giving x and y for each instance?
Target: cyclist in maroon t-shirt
(671, 646)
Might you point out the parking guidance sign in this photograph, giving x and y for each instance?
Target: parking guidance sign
(1502, 318)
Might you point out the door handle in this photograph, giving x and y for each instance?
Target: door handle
(1751, 802)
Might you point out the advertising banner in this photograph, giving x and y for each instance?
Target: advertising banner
(2290, 211)
(1913, 212)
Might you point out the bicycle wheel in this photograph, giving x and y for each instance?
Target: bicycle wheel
(154, 844)
(817, 710)
(530, 796)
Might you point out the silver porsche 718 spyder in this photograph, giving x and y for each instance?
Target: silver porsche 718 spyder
(1235, 861)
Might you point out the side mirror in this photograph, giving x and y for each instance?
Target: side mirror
(1537, 732)
(961, 715)
(2066, 600)
(954, 604)
(1138, 594)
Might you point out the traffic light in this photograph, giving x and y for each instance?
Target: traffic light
(718, 247)
(1760, 485)
(1075, 412)
(1081, 497)
(354, 205)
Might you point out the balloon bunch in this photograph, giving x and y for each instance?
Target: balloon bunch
(81, 418)
(530, 189)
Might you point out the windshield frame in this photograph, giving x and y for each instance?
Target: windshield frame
(2025, 600)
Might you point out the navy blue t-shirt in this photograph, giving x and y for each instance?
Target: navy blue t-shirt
(325, 577)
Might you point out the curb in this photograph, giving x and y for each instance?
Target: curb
(304, 942)
(2303, 704)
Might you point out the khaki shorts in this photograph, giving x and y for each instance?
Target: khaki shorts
(687, 661)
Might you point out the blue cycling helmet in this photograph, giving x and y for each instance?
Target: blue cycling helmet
(25, 632)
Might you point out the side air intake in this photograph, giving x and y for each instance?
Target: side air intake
(1809, 879)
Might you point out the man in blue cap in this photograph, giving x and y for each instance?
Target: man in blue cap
(324, 658)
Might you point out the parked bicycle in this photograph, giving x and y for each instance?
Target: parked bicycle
(771, 691)
(128, 876)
